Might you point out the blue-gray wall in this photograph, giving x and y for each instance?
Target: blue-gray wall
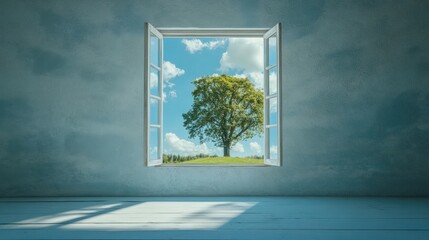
(356, 98)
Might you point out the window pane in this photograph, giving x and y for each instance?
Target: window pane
(154, 50)
(154, 81)
(154, 106)
(153, 144)
(272, 143)
(272, 81)
(272, 50)
(272, 104)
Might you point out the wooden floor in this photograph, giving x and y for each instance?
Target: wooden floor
(215, 218)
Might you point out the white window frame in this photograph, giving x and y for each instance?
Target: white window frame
(161, 33)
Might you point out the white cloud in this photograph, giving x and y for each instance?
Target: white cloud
(215, 44)
(273, 43)
(172, 94)
(153, 80)
(177, 145)
(273, 106)
(257, 78)
(255, 147)
(273, 82)
(273, 89)
(153, 152)
(246, 54)
(164, 99)
(195, 45)
(242, 75)
(273, 151)
(238, 147)
(171, 71)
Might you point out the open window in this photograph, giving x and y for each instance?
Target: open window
(154, 86)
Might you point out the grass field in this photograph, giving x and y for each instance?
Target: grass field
(224, 160)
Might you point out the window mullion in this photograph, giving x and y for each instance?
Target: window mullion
(271, 67)
(156, 67)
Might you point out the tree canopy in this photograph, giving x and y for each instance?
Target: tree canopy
(225, 110)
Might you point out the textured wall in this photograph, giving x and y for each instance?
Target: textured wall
(356, 98)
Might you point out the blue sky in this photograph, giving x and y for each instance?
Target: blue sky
(186, 59)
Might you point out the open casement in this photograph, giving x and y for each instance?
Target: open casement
(153, 90)
(272, 94)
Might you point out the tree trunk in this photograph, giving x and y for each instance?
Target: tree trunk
(226, 150)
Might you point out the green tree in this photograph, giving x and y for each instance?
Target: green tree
(226, 110)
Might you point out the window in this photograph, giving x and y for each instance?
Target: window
(154, 93)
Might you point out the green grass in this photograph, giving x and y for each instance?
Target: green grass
(224, 160)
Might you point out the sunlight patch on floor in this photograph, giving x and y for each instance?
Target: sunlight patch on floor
(151, 215)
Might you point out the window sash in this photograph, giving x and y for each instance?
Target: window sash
(149, 31)
(277, 95)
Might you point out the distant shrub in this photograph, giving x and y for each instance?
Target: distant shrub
(256, 156)
(176, 158)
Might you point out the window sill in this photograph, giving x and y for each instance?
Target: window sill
(213, 165)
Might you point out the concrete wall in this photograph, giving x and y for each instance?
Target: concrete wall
(356, 98)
